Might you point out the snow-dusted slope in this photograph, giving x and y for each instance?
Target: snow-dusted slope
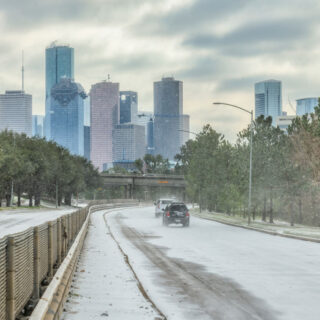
(12, 221)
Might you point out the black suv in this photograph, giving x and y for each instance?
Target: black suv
(176, 212)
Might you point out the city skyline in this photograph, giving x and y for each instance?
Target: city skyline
(219, 57)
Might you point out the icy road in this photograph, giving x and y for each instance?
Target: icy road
(207, 271)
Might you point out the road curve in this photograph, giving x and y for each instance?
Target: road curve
(214, 271)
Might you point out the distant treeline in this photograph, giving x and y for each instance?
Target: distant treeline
(37, 169)
(285, 173)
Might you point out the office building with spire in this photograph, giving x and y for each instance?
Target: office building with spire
(16, 109)
(16, 112)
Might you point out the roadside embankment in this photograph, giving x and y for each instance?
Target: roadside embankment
(278, 228)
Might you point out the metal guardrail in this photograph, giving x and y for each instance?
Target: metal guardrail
(50, 306)
(29, 257)
(3, 278)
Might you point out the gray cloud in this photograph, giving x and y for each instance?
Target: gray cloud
(257, 38)
(31, 13)
(218, 48)
(203, 68)
(188, 17)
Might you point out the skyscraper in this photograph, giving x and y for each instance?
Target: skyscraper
(168, 109)
(86, 131)
(16, 112)
(66, 115)
(87, 128)
(306, 105)
(104, 100)
(128, 106)
(268, 99)
(37, 125)
(59, 64)
(150, 137)
(128, 142)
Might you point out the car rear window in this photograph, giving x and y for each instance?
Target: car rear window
(179, 207)
(166, 201)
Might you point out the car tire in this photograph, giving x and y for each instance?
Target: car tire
(164, 222)
(186, 224)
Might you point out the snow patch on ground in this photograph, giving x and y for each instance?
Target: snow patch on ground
(104, 286)
(17, 220)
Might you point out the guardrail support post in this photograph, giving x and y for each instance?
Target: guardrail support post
(63, 237)
(59, 246)
(50, 250)
(36, 261)
(11, 278)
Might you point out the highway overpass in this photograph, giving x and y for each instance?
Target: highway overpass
(130, 182)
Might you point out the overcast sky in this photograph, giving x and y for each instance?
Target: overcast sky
(217, 48)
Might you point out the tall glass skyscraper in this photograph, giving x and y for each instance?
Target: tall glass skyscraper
(268, 99)
(128, 106)
(306, 105)
(67, 115)
(168, 117)
(59, 64)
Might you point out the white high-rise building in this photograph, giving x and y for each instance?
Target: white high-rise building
(16, 112)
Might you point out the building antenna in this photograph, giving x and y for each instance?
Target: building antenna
(22, 71)
(109, 77)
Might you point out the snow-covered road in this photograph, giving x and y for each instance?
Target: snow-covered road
(212, 271)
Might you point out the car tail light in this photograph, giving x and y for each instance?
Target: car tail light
(168, 214)
(187, 214)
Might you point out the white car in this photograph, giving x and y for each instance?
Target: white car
(161, 205)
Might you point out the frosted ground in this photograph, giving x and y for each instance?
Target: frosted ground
(207, 271)
(17, 220)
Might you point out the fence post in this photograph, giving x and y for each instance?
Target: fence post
(36, 262)
(64, 234)
(59, 246)
(11, 278)
(50, 250)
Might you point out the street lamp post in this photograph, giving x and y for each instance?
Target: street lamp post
(187, 131)
(250, 162)
(199, 185)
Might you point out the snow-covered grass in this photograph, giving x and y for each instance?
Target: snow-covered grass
(279, 227)
(20, 219)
